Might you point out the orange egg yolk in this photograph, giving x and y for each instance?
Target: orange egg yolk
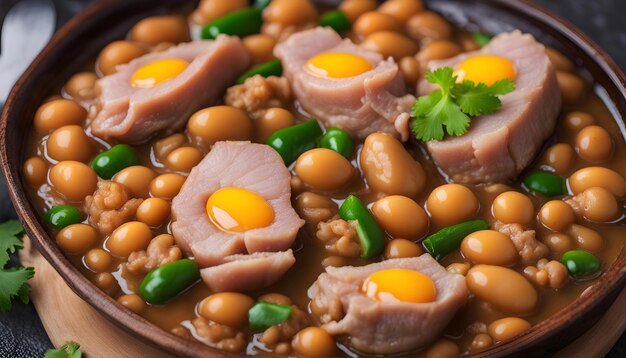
(486, 69)
(402, 285)
(338, 65)
(158, 71)
(238, 210)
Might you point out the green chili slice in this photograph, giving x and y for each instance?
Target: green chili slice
(108, 163)
(580, 263)
(61, 216)
(547, 184)
(263, 315)
(238, 23)
(481, 38)
(167, 281)
(336, 20)
(338, 140)
(292, 141)
(367, 229)
(269, 68)
(449, 239)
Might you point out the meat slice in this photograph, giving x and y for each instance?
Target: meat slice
(382, 327)
(133, 115)
(248, 272)
(255, 167)
(499, 146)
(363, 104)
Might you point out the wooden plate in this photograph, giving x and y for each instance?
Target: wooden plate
(82, 38)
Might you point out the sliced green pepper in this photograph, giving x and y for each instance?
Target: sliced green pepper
(580, 263)
(167, 281)
(336, 20)
(238, 23)
(339, 141)
(262, 4)
(61, 216)
(449, 239)
(269, 68)
(292, 141)
(263, 315)
(547, 184)
(370, 235)
(108, 163)
(481, 38)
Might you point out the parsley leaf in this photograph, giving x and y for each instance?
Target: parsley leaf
(12, 280)
(13, 283)
(453, 104)
(68, 350)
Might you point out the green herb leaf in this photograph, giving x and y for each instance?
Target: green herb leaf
(12, 283)
(68, 350)
(453, 104)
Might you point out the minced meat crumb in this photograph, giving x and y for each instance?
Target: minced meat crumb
(547, 273)
(162, 250)
(110, 206)
(257, 94)
(340, 237)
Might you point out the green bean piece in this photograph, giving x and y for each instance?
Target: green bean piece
(61, 216)
(238, 23)
(108, 163)
(262, 4)
(336, 20)
(547, 184)
(167, 281)
(269, 68)
(367, 229)
(292, 141)
(481, 38)
(580, 263)
(449, 239)
(263, 315)
(338, 140)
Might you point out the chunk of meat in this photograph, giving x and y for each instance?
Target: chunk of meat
(110, 206)
(255, 167)
(499, 146)
(548, 273)
(363, 104)
(248, 272)
(385, 327)
(340, 237)
(529, 248)
(133, 115)
(160, 251)
(258, 93)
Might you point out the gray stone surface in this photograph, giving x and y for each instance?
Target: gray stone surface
(21, 332)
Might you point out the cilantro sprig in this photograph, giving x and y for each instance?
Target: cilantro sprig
(68, 350)
(453, 104)
(12, 280)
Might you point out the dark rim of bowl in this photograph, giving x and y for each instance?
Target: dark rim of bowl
(592, 301)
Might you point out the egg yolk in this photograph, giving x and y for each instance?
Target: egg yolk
(338, 65)
(158, 71)
(486, 69)
(238, 210)
(402, 285)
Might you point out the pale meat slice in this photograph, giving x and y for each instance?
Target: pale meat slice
(381, 327)
(361, 105)
(499, 146)
(133, 115)
(248, 272)
(255, 167)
